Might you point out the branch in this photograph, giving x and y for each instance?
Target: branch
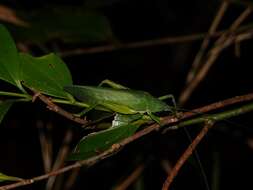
(186, 155)
(71, 179)
(131, 178)
(240, 2)
(198, 58)
(61, 157)
(146, 43)
(9, 15)
(46, 146)
(221, 43)
(169, 120)
(218, 105)
(53, 107)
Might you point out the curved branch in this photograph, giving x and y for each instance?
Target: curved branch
(187, 153)
(53, 107)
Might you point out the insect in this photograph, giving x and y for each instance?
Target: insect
(130, 105)
(119, 99)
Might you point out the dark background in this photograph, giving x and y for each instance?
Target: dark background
(157, 69)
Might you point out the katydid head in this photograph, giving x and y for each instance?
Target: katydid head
(156, 105)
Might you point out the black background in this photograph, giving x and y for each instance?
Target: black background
(159, 70)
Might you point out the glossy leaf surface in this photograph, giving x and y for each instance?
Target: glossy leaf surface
(4, 107)
(98, 142)
(9, 60)
(47, 74)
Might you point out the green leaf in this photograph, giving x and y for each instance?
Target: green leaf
(98, 142)
(4, 107)
(4, 177)
(9, 60)
(69, 24)
(47, 74)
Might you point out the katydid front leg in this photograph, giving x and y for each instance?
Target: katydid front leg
(154, 117)
(169, 96)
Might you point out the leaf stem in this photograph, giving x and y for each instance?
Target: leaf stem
(67, 102)
(3, 93)
(217, 116)
(27, 97)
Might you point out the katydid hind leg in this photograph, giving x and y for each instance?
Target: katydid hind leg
(85, 111)
(112, 84)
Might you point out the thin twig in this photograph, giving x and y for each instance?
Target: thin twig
(53, 107)
(205, 43)
(186, 155)
(146, 43)
(9, 15)
(224, 41)
(71, 179)
(23, 47)
(218, 105)
(116, 147)
(166, 166)
(240, 2)
(234, 26)
(244, 36)
(45, 150)
(61, 156)
(133, 45)
(131, 178)
(59, 182)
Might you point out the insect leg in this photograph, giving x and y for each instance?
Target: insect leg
(112, 84)
(82, 113)
(155, 118)
(169, 96)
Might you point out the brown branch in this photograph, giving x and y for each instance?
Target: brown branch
(240, 2)
(61, 156)
(186, 155)
(71, 179)
(133, 45)
(46, 147)
(244, 36)
(116, 147)
(166, 166)
(53, 107)
(218, 105)
(131, 178)
(23, 47)
(224, 41)
(8, 15)
(205, 43)
(234, 26)
(42, 177)
(146, 43)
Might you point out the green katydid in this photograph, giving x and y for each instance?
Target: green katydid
(119, 99)
(131, 106)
